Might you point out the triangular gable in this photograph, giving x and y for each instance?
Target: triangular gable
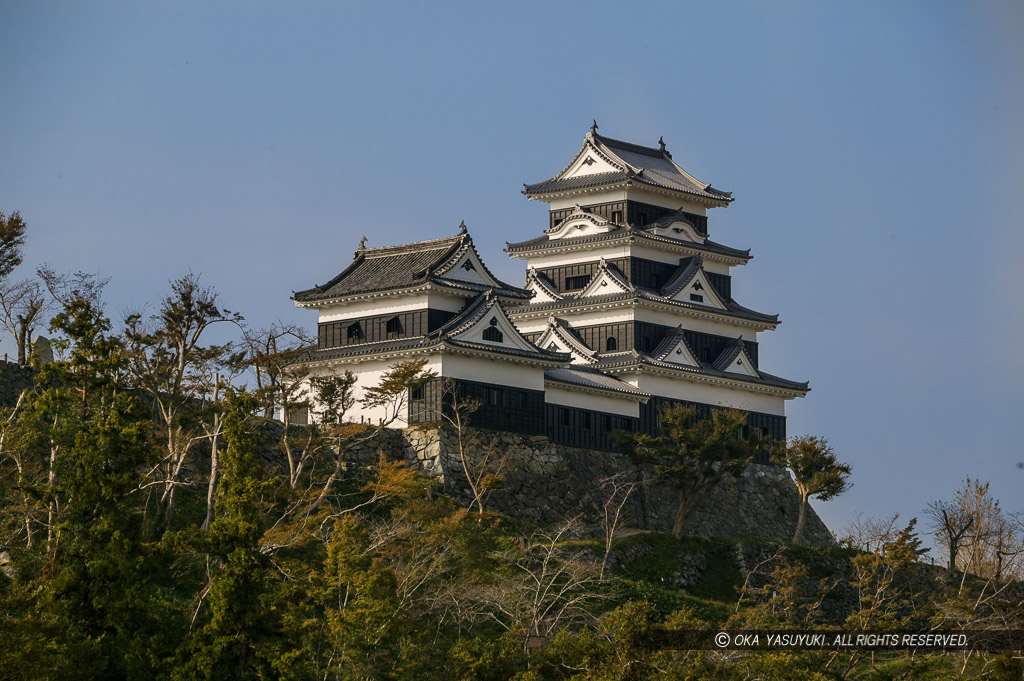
(493, 327)
(591, 160)
(691, 285)
(676, 350)
(543, 291)
(605, 281)
(735, 360)
(468, 267)
(558, 339)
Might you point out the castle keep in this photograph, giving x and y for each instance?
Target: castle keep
(627, 306)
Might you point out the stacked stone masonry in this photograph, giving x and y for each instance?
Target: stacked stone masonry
(545, 483)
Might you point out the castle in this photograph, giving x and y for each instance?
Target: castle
(627, 306)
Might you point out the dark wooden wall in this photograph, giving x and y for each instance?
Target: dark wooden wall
(638, 271)
(414, 323)
(636, 213)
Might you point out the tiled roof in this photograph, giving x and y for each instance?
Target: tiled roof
(682, 276)
(444, 335)
(662, 349)
(592, 379)
(732, 309)
(731, 352)
(635, 163)
(544, 242)
(399, 267)
(635, 358)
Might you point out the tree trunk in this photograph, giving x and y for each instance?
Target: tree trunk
(211, 488)
(801, 519)
(953, 550)
(22, 344)
(679, 525)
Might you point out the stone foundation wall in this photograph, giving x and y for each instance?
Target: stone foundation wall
(545, 483)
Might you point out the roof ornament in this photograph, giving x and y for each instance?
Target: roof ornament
(462, 227)
(362, 242)
(593, 128)
(661, 143)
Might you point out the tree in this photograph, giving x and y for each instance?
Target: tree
(390, 395)
(167, 359)
(22, 305)
(482, 474)
(239, 615)
(692, 454)
(950, 523)
(816, 471)
(12, 239)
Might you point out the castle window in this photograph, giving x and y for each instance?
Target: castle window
(468, 265)
(611, 345)
(494, 396)
(355, 331)
(566, 418)
(617, 216)
(492, 334)
(418, 393)
(643, 219)
(586, 420)
(696, 297)
(393, 327)
(576, 283)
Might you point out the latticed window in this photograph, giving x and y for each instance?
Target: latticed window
(492, 334)
(611, 345)
(393, 326)
(576, 283)
(355, 331)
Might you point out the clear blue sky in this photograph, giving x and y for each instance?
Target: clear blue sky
(876, 152)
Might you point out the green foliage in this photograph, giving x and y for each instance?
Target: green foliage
(12, 239)
(692, 454)
(384, 576)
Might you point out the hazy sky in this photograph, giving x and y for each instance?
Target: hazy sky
(875, 150)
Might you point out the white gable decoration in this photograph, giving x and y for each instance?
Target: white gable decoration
(494, 328)
(469, 268)
(603, 283)
(741, 364)
(680, 354)
(700, 292)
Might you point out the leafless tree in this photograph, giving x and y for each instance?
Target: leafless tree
(478, 457)
(549, 589)
(167, 359)
(950, 524)
(390, 396)
(618, 490)
(869, 534)
(23, 305)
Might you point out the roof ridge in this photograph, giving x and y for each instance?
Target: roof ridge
(632, 146)
(434, 244)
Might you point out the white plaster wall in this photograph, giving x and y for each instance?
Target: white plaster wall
(608, 405)
(682, 389)
(589, 198)
(694, 324)
(372, 307)
(369, 374)
(535, 324)
(491, 371)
